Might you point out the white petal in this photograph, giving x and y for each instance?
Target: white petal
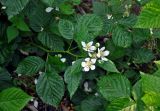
(92, 67)
(74, 62)
(102, 49)
(92, 48)
(83, 44)
(87, 59)
(35, 103)
(86, 69)
(83, 64)
(93, 61)
(98, 54)
(104, 59)
(63, 60)
(49, 9)
(106, 53)
(90, 43)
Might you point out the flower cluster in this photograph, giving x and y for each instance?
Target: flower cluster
(95, 53)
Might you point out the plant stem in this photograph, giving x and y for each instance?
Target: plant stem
(51, 51)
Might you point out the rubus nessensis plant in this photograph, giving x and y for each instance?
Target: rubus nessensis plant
(79, 55)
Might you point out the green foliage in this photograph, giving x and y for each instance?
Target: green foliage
(114, 86)
(149, 17)
(12, 33)
(88, 27)
(14, 7)
(73, 76)
(66, 29)
(60, 56)
(13, 99)
(108, 66)
(50, 88)
(30, 65)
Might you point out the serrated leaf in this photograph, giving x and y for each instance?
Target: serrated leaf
(14, 7)
(51, 41)
(19, 22)
(149, 16)
(114, 86)
(5, 79)
(151, 99)
(142, 55)
(13, 99)
(12, 33)
(150, 83)
(66, 8)
(122, 104)
(66, 29)
(39, 19)
(108, 66)
(88, 27)
(48, 2)
(50, 88)
(72, 77)
(30, 65)
(121, 37)
(92, 103)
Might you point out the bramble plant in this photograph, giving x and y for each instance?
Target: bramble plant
(79, 55)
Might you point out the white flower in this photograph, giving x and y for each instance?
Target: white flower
(102, 53)
(63, 60)
(88, 64)
(96, 94)
(88, 47)
(40, 72)
(49, 9)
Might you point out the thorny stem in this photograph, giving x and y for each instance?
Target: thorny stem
(51, 51)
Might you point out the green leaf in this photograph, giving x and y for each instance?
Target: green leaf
(5, 79)
(142, 55)
(51, 41)
(151, 99)
(92, 103)
(14, 7)
(122, 104)
(6, 54)
(30, 65)
(19, 22)
(114, 86)
(66, 29)
(13, 99)
(56, 63)
(89, 26)
(48, 2)
(150, 83)
(121, 37)
(108, 66)
(39, 20)
(66, 8)
(100, 8)
(50, 88)
(149, 16)
(12, 33)
(73, 76)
